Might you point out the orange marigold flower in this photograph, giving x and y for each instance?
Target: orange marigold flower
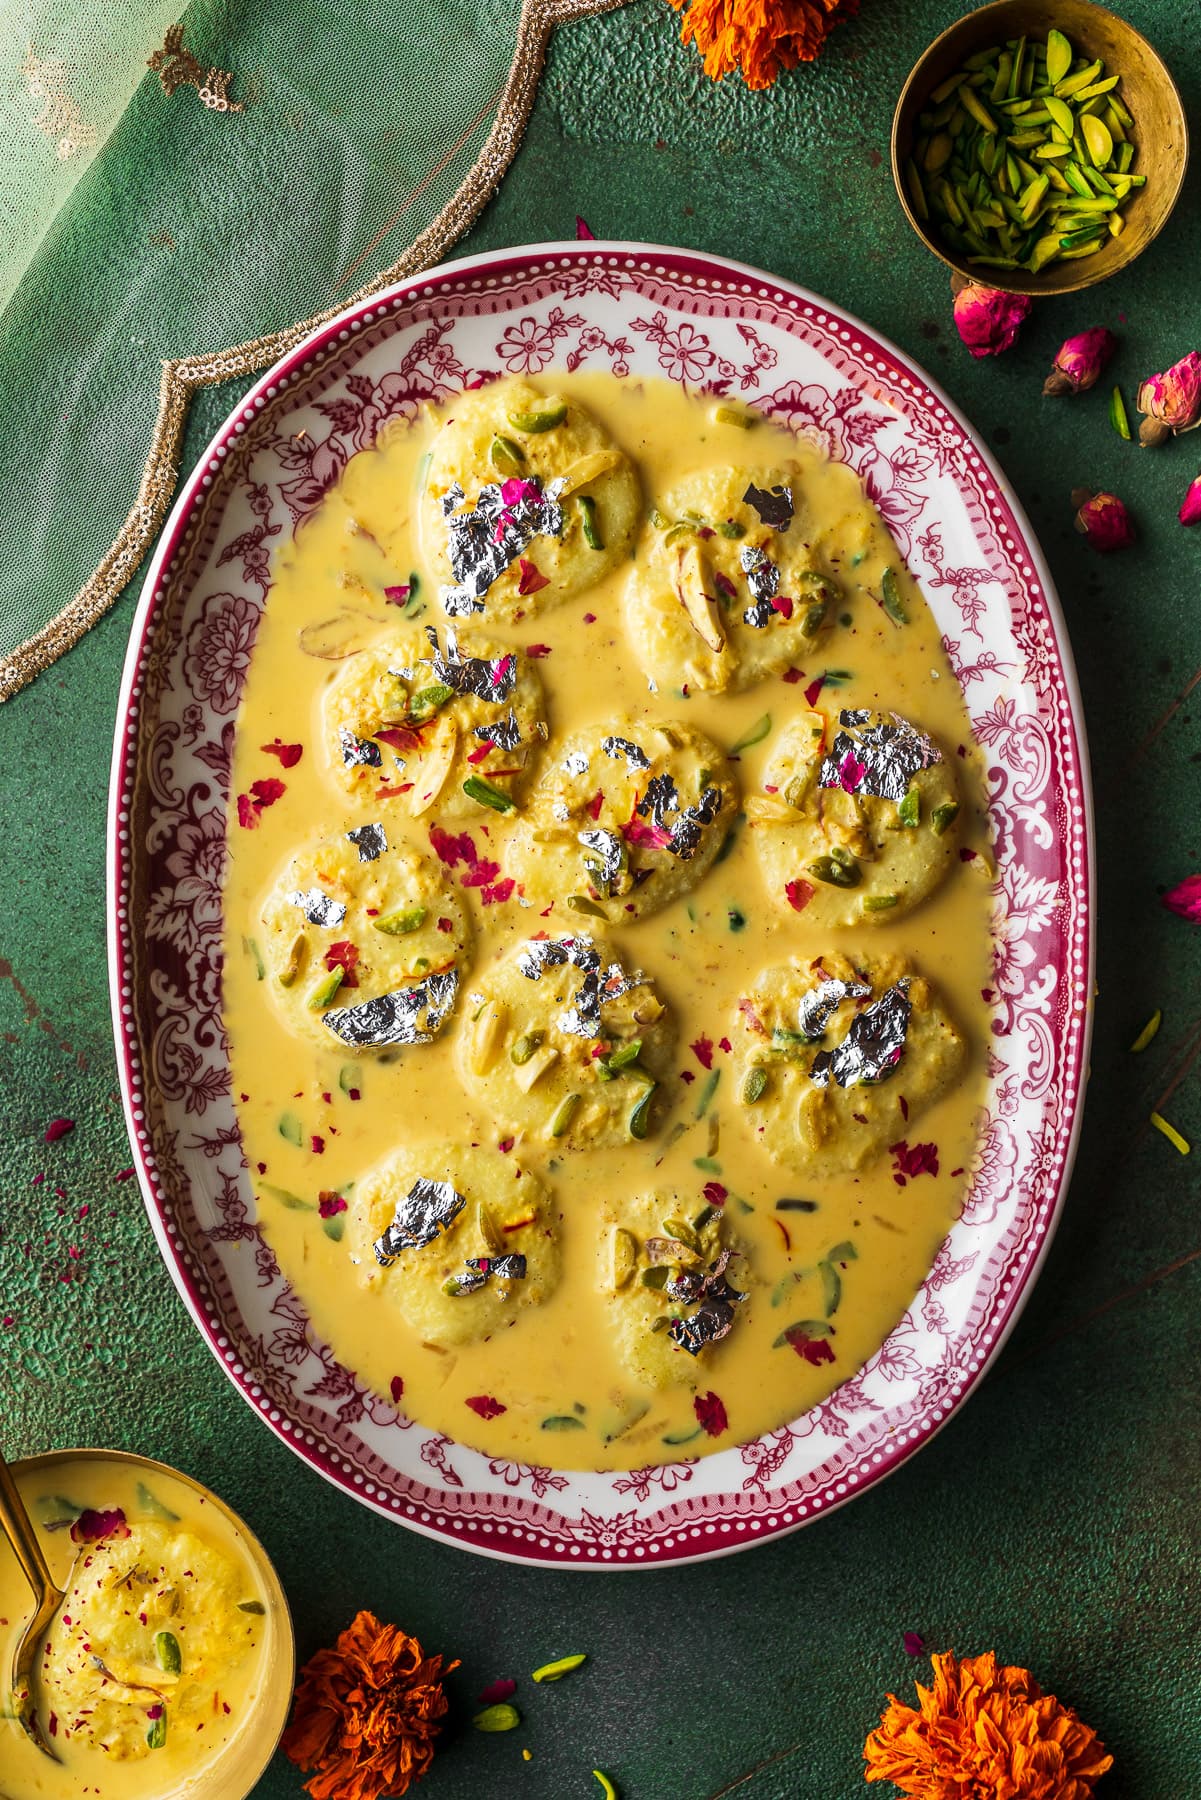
(760, 37)
(367, 1713)
(984, 1732)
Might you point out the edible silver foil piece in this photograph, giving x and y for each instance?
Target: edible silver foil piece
(470, 1282)
(634, 754)
(369, 841)
(408, 1015)
(500, 1268)
(359, 750)
(872, 1047)
(608, 850)
(661, 802)
(318, 908)
(504, 733)
(486, 539)
(428, 1208)
(819, 1005)
(879, 759)
(575, 763)
(488, 678)
(714, 1317)
(763, 579)
(774, 505)
(582, 1018)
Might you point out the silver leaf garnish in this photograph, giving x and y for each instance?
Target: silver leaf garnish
(408, 1015)
(582, 1017)
(575, 763)
(879, 759)
(318, 908)
(608, 850)
(369, 841)
(359, 750)
(872, 1047)
(488, 678)
(428, 1208)
(763, 579)
(774, 505)
(634, 754)
(489, 537)
(504, 733)
(819, 1005)
(683, 825)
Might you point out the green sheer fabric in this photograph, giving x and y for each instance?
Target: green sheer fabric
(177, 229)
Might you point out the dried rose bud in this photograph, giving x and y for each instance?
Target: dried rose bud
(1080, 361)
(1171, 401)
(1103, 519)
(1190, 506)
(987, 319)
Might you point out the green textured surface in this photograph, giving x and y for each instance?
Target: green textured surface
(1056, 1520)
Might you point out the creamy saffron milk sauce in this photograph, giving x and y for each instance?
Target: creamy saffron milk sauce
(156, 1676)
(828, 1262)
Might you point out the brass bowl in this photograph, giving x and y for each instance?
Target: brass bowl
(1160, 130)
(241, 1767)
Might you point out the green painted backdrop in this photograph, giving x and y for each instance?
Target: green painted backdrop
(1057, 1518)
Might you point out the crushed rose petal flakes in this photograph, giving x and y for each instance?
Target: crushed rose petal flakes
(908, 1163)
(485, 1407)
(711, 1414)
(289, 754)
(93, 1527)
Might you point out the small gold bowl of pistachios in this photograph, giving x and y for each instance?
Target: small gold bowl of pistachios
(1039, 148)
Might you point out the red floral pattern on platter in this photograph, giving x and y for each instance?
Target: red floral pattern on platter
(719, 328)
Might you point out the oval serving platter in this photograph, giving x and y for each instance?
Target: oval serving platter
(705, 323)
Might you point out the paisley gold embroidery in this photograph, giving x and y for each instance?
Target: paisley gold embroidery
(58, 116)
(177, 67)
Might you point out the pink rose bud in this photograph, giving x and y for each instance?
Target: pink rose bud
(1185, 898)
(1190, 506)
(987, 320)
(1103, 519)
(1171, 401)
(1080, 361)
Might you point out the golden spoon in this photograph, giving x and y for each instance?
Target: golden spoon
(18, 1529)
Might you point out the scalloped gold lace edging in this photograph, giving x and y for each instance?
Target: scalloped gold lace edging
(182, 376)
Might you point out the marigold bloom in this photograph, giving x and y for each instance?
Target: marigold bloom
(366, 1713)
(984, 1732)
(760, 37)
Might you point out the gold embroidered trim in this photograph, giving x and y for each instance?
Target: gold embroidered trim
(58, 116)
(182, 376)
(177, 67)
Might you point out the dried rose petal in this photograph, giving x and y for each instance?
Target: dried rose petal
(922, 1159)
(799, 894)
(582, 230)
(396, 1388)
(1190, 506)
(988, 320)
(58, 1128)
(1185, 898)
(485, 1406)
(1103, 519)
(329, 1205)
(93, 1527)
(813, 1350)
(715, 1193)
(531, 580)
(537, 650)
(703, 1051)
(711, 1414)
(289, 754)
(914, 1643)
(398, 595)
(1080, 361)
(504, 1689)
(1171, 401)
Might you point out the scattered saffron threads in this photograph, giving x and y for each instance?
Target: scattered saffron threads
(757, 38)
(1148, 1032)
(58, 1128)
(1170, 1132)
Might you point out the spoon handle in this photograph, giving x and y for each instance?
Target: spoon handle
(18, 1528)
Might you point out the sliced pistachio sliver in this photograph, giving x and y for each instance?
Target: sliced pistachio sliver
(532, 424)
(754, 1086)
(156, 1737)
(890, 595)
(589, 523)
(639, 1120)
(560, 1123)
(555, 1671)
(486, 794)
(167, 1652)
(506, 456)
(525, 1046)
(401, 922)
(944, 816)
(323, 993)
(909, 811)
(880, 902)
